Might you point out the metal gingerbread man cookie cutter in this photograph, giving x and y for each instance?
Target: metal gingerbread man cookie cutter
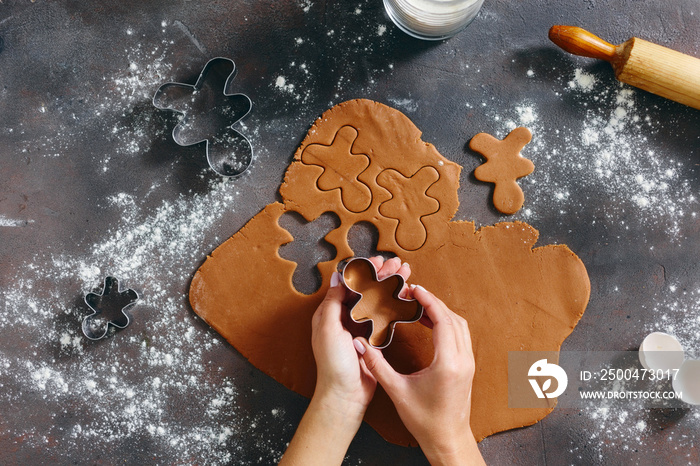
(108, 308)
(378, 301)
(209, 114)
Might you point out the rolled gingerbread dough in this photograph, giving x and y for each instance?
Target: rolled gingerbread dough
(514, 296)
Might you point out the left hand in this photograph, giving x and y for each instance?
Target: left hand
(344, 385)
(343, 379)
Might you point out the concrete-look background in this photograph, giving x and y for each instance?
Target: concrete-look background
(92, 184)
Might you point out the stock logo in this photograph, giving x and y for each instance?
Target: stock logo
(542, 368)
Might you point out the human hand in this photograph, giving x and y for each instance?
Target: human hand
(434, 403)
(342, 376)
(344, 385)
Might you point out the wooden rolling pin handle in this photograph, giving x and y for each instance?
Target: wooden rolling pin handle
(581, 42)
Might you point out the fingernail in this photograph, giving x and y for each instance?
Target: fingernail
(359, 347)
(418, 287)
(405, 264)
(335, 279)
(396, 259)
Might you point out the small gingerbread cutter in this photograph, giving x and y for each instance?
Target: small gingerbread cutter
(207, 117)
(358, 297)
(109, 308)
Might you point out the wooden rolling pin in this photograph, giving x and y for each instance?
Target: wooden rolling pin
(642, 64)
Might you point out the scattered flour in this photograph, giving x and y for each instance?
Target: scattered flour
(12, 222)
(358, 64)
(281, 83)
(406, 105)
(608, 155)
(133, 386)
(119, 114)
(305, 5)
(582, 80)
(153, 252)
(680, 319)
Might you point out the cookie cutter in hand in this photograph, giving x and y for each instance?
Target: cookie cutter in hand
(109, 308)
(375, 301)
(208, 115)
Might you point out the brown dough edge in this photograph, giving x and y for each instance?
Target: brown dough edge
(270, 324)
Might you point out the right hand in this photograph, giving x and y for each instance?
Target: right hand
(435, 403)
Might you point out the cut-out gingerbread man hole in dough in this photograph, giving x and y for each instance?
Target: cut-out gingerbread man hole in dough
(363, 238)
(308, 248)
(342, 169)
(409, 203)
(504, 165)
(379, 300)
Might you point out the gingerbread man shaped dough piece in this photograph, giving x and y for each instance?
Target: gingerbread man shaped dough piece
(504, 165)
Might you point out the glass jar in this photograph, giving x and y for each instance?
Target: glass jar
(432, 19)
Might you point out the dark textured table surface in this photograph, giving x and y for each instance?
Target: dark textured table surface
(92, 184)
